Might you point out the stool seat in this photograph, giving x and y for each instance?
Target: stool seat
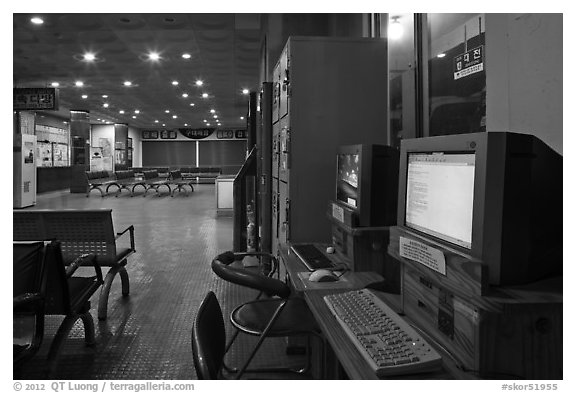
(253, 317)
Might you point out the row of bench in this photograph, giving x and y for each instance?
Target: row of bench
(128, 180)
(202, 174)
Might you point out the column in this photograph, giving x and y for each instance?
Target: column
(120, 146)
(79, 150)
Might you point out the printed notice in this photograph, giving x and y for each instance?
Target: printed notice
(423, 253)
(469, 63)
(338, 212)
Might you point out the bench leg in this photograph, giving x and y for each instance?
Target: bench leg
(62, 334)
(105, 291)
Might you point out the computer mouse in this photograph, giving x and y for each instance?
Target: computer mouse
(323, 275)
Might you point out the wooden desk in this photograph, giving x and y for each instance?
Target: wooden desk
(351, 360)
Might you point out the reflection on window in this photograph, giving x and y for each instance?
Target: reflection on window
(402, 73)
(457, 78)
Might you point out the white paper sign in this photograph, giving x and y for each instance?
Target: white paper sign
(338, 212)
(423, 253)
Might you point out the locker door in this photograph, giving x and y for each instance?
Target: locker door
(276, 83)
(284, 81)
(285, 150)
(283, 213)
(275, 216)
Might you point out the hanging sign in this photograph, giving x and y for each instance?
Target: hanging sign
(240, 134)
(26, 99)
(196, 133)
(469, 63)
(150, 134)
(168, 134)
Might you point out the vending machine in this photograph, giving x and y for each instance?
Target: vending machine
(25, 172)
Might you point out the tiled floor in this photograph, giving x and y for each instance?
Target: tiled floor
(147, 335)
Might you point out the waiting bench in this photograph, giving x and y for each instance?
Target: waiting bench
(127, 180)
(97, 180)
(80, 232)
(177, 180)
(154, 181)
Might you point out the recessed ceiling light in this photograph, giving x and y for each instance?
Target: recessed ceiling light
(174, 117)
(103, 121)
(441, 55)
(175, 83)
(127, 83)
(98, 119)
(163, 125)
(204, 120)
(104, 96)
(204, 95)
(241, 117)
(212, 110)
(133, 117)
(121, 112)
(37, 21)
(167, 111)
(245, 91)
(136, 111)
(199, 82)
(207, 124)
(154, 56)
(219, 124)
(89, 56)
(185, 124)
(55, 84)
(155, 121)
(186, 55)
(185, 95)
(79, 83)
(215, 116)
(105, 105)
(84, 96)
(192, 104)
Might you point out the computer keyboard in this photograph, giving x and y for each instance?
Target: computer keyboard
(386, 341)
(312, 257)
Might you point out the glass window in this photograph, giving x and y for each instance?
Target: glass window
(456, 74)
(402, 86)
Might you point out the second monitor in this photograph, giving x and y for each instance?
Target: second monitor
(366, 185)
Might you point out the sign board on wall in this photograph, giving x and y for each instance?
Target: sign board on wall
(469, 63)
(196, 133)
(35, 99)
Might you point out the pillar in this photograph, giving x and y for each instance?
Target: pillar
(79, 150)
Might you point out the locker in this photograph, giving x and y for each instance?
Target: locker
(331, 91)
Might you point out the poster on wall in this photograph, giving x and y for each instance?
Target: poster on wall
(60, 154)
(469, 63)
(44, 154)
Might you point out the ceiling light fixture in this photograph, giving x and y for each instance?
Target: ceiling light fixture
(185, 124)
(241, 117)
(133, 117)
(167, 111)
(212, 110)
(192, 104)
(37, 21)
(185, 95)
(199, 82)
(163, 125)
(215, 116)
(204, 95)
(121, 112)
(55, 84)
(105, 105)
(84, 96)
(208, 124)
(127, 83)
(174, 117)
(245, 91)
(175, 83)
(89, 56)
(154, 56)
(395, 29)
(204, 120)
(441, 55)
(186, 55)
(104, 96)
(136, 111)
(155, 121)
(79, 83)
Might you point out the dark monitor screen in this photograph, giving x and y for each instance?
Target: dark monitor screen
(347, 181)
(440, 195)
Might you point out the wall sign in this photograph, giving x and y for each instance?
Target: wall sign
(149, 134)
(469, 63)
(168, 134)
(35, 99)
(196, 133)
(225, 134)
(240, 134)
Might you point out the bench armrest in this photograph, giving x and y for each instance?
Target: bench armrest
(84, 260)
(27, 301)
(131, 229)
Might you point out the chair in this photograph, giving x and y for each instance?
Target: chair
(68, 295)
(279, 315)
(209, 339)
(28, 302)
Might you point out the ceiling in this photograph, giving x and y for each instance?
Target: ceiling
(224, 49)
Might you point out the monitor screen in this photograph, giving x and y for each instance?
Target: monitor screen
(440, 195)
(347, 186)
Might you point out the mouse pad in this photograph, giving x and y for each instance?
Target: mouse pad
(341, 283)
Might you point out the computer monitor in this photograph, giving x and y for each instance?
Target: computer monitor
(367, 182)
(494, 196)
